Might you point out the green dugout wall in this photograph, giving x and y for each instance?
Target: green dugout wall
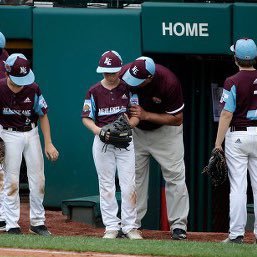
(67, 46)
(67, 43)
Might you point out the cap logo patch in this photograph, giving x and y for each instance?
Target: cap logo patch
(23, 70)
(108, 61)
(135, 70)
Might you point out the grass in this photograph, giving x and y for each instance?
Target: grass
(138, 247)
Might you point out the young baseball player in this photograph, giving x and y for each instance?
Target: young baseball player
(22, 106)
(3, 56)
(104, 102)
(238, 126)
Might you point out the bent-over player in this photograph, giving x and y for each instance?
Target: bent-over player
(21, 106)
(159, 134)
(104, 102)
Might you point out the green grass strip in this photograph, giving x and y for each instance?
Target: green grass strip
(125, 246)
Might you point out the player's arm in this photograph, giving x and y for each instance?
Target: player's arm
(228, 100)
(133, 121)
(224, 123)
(158, 118)
(90, 124)
(50, 151)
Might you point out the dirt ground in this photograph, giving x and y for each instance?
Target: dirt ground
(59, 225)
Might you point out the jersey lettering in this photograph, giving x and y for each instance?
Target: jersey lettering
(111, 110)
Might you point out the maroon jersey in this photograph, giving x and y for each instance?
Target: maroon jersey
(104, 105)
(22, 108)
(240, 97)
(162, 95)
(3, 56)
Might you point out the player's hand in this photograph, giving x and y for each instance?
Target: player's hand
(138, 111)
(51, 152)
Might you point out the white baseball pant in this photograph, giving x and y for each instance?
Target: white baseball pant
(241, 155)
(28, 144)
(106, 164)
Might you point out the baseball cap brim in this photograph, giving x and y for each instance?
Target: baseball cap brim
(107, 70)
(131, 80)
(23, 81)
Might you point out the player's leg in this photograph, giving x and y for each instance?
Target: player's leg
(36, 179)
(126, 174)
(168, 151)
(142, 172)
(106, 168)
(252, 167)
(237, 161)
(14, 144)
(2, 215)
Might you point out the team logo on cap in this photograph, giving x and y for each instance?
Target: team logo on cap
(23, 70)
(135, 70)
(108, 61)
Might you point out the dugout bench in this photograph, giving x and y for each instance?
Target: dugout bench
(86, 209)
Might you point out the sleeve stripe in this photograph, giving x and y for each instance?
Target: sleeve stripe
(177, 110)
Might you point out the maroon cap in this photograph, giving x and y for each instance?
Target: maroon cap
(110, 62)
(141, 69)
(18, 68)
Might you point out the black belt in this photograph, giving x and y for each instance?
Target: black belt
(233, 128)
(21, 129)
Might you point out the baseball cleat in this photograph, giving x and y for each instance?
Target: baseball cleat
(134, 234)
(14, 231)
(179, 234)
(40, 230)
(237, 240)
(111, 234)
(2, 225)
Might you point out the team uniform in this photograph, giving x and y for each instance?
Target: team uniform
(104, 106)
(164, 143)
(239, 97)
(3, 56)
(19, 116)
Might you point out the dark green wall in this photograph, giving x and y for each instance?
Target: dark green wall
(16, 22)
(67, 46)
(198, 28)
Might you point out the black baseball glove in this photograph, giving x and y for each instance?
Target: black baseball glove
(117, 133)
(2, 151)
(217, 168)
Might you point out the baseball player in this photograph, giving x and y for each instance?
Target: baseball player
(159, 134)
(238, 125)
(3, 56)
(104, 102)
(22, 105)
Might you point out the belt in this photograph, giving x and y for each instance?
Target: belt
(233, 128)
(21, 129)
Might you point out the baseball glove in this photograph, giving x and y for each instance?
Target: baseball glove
(2, 151)
(217, 167)
(117, 133)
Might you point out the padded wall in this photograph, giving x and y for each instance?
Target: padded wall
(68, 43)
